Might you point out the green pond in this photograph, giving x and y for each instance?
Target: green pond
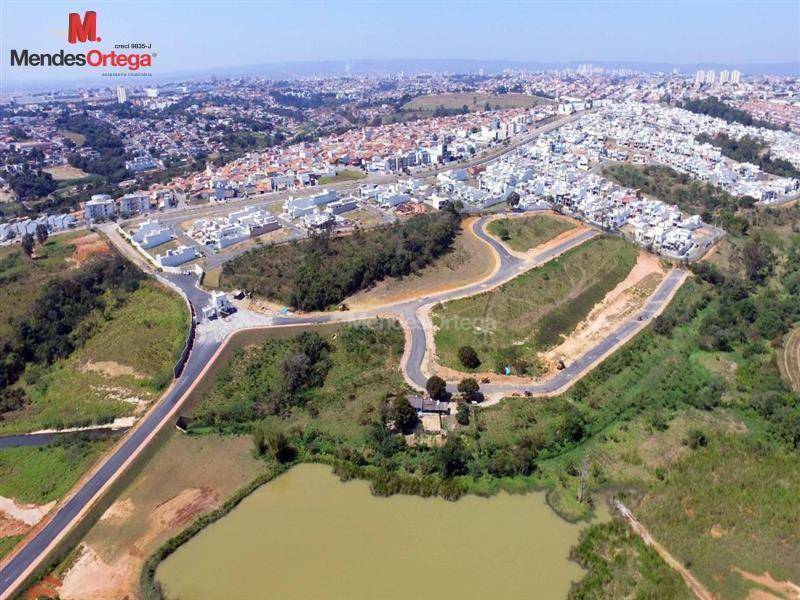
(307, 535)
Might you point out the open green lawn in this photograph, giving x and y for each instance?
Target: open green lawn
(40, 475)
(524, 233)
(343, 175)
(508, 325)
(128, 357)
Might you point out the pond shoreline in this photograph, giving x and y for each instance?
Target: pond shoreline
(344, 471)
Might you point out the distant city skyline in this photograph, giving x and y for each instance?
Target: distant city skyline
(207, 35)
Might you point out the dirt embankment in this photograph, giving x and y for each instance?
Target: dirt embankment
(619, 304)
(86, 247)
(91, 577)
(17, 518)
(781, 590)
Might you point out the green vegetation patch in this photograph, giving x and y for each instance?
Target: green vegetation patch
(714, 107)
(524, 233)
(8, 542)
(318, 273)
(620, 565)
(343, 175)
(85, 346)
(732, 503)
(21, 278)
(45, 473)
(509, 325)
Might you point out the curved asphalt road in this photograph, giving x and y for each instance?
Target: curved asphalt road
(31, 555)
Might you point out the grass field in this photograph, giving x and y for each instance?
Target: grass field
(509, 325)
(731, 505)
(343, 175)
(524, 233)
(7, 543)
(105, 379)
(474, 101)
(40, 475)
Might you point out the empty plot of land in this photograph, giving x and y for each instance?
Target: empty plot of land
(524, 233)
(509, 325)
(343, 175)
(65, 172)
(474, 101)
(469, 261)
(188, 477)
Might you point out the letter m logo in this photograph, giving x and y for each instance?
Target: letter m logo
(83, 30)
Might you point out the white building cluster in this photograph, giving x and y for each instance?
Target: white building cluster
(238, 226)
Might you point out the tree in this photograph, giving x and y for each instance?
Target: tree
(403, 414)
(436, 387)
(513, 199)
(502, 230)
(758, 260)
(452, 457)
(42, 233)
(462, 413)
(468, 357)
(468, 388)
(27, 244)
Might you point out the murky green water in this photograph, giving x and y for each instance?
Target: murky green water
(306, 535)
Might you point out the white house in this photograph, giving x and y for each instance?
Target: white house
(177, 256)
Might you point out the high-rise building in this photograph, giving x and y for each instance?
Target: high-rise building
(736, 77)
(724, 77)
(699, 78)
(711, 77)
(122, 94)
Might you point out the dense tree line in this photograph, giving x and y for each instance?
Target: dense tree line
(714, 107)
(322, 271)
(53, 328)
(749, 149)
(30, 184)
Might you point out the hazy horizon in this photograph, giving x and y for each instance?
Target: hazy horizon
(208, 36)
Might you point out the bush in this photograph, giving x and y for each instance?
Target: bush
(468, 357)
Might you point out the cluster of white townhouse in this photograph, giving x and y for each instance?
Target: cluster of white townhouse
(236, 227)
(294, 208)
(14, 230)
(153, 233)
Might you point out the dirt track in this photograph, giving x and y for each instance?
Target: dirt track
(790, 361)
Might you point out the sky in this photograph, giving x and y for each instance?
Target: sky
(191, 35)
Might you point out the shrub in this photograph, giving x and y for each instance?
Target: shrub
(468, 357)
